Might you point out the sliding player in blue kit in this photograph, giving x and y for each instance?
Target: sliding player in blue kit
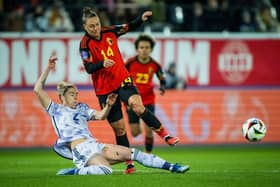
(76, 142)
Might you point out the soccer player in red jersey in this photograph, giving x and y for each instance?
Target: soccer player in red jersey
(142, 68)
(102, 59)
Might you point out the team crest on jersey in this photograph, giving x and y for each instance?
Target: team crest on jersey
(109, 41)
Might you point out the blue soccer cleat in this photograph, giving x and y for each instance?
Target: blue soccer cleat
(177, 168)
(67, 171)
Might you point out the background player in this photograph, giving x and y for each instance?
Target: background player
(142, 68)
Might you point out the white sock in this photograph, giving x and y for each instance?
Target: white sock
(148, 160)
(95, 170)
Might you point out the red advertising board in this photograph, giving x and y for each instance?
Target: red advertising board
(244, 62)
(196, 117)
(203, 60)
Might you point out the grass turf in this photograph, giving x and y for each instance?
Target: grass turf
(256, 165)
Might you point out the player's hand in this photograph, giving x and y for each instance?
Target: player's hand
(111, 99)
(162, 90)
(146, 15)
(52, 62)
(108, 63)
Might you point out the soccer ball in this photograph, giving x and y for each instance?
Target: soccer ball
(253, 129)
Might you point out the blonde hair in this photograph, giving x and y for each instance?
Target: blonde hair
(62, 87)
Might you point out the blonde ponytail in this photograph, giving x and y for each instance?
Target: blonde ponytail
(63, 86)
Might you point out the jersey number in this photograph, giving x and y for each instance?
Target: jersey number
(76, 119)
(126, 81)
(108, 53)
(142, 78)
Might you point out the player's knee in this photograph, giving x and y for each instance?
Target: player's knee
(135, 133)
(118, 128)
(135, 129)
(106, 152)
(119, 131)
(137, 108)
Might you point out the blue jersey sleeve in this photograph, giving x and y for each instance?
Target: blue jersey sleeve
(88, 111)
(52, 109)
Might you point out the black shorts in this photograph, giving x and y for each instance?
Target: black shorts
(133, 118)
(124, 93)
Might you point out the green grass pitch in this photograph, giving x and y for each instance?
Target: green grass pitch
(246, 165)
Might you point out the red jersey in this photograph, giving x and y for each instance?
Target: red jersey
(105, 80)
(142, 75)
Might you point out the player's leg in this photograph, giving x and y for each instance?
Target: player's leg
(149, 136)
(135, 127)
(115, 118)
(116, 154)
(88, 159)
(130, 96)
(153, 161)
(97, 165)
(121, 138)
(134, 122)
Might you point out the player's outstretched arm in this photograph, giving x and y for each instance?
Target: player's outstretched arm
(136, 23)
(40, 83)
(146, 15)
(101, 115)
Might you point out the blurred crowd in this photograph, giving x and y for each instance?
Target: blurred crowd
(171, 15)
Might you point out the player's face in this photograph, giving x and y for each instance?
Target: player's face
(93, 27)
(70, 98)
(144, 50)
